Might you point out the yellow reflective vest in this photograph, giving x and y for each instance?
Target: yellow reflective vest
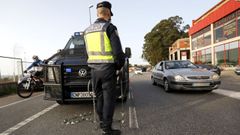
(98, 45)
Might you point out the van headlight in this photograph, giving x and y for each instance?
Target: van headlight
(53, 71)
(178, 78)
(50, 74)
(215, 77)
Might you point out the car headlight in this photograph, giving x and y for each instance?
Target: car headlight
(215, 77)
(178, 78)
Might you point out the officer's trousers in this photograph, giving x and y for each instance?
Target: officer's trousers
(104, 84)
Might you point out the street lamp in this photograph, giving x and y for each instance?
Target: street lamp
(90, 13)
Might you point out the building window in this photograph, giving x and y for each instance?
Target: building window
(194, 44)
(232, 54)
(226, 28)
(238, 26)
(208, 56)
(229, 30)
(194, 55)
(227, 54)
(207, 39)
(201, 38)
(219, 55)
(203, 56)
(218, 32)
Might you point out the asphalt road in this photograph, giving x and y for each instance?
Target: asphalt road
(149, 111)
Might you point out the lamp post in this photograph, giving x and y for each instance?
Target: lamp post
(90, 13)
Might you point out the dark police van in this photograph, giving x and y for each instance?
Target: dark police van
(68, 77)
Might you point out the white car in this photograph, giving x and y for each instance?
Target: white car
(138, 71)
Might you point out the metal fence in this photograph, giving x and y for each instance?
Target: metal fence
(11, 68)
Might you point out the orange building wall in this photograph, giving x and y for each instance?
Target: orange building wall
(222, 9)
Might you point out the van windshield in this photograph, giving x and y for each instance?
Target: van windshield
(75, 42)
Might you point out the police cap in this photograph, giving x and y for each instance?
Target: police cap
(105, 4)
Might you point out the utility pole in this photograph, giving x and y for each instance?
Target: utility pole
(0, 75)
(89, 8)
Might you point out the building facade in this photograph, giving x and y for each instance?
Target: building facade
(215, 36)
(180, 50)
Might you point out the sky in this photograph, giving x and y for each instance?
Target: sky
(41, 27)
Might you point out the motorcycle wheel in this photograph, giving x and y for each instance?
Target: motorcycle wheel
(24, 92)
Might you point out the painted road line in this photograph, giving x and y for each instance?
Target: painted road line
(20, 101)
(135, 117)
(228, 93)
(133, 122)
(134, 113)
(129, 95)
(19, 125)
(130, 117)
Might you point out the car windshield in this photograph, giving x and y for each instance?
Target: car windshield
(179, 64)
(205, 66)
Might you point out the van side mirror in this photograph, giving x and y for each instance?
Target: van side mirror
(128, 52)
(59, 50)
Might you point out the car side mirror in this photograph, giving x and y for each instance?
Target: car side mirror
(128, 52)
(160, 69)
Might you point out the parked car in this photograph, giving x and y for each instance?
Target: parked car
(210, 67)
(237, 70)
(184, 75)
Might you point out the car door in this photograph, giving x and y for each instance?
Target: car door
(158, 70)
(161, 73)
(154, 72)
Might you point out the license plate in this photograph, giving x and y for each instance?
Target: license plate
(200, 84)
(81, 94)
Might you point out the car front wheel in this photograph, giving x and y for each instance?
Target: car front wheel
(153, 81)
(166, 86)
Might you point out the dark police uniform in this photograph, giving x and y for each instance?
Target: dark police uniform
(105, 57)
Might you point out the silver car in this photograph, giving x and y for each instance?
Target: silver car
(184, 75)
(237, 70)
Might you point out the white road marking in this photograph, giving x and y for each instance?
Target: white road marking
(135, 117)
(26, 121)
(133, 122)
(130, 117)
(195, 102)
(19, 101)
(129, 96)
(228, 93)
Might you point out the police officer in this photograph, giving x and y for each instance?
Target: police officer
(105, 57)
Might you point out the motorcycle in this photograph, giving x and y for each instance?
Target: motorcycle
(28, 83)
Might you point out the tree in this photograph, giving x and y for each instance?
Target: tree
(161, 37)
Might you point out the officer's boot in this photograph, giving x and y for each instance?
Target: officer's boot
(110, 131)
(101, 124)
